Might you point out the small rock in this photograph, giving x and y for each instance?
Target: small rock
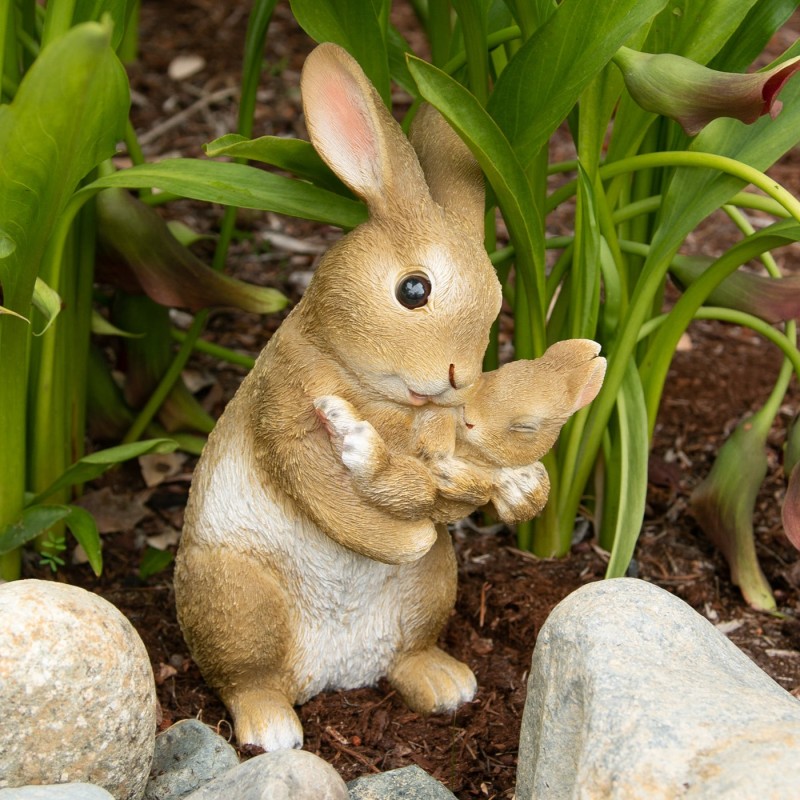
(183, 67)
(282, 775)
(77, 696)
(409, 783)
(634, 694)
(188, 755)
(60, 791)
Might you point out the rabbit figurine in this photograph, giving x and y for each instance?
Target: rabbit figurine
(287, 581)
(510, 418)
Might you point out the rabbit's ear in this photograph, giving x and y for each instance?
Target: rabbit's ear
(354, 132)
(587, 380)
(451, 171)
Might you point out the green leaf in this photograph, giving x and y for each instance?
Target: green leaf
(253, 61)
(4, 310)
(94, 10)
(752, 36)
(34, 521)
(154, 561)
(293, 155)
(102, 327)
(47, 301)
(66, 117)
(630, 455)
(96, 464)
(359, 26)
(168, 272)
(83, 527)
(545, 78)
(696, 29)
(584, 278)
(237, 185)
(505, 173)
(185, 235)
(758, 145)
(723, 505)
(7, 244)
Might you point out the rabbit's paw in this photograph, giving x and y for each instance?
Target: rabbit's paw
(462, 481)
(430, 681)
(520, 493)
(266, 719)
(359, 445)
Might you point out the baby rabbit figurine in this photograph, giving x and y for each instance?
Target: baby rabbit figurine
(510, 419)
(287, 581)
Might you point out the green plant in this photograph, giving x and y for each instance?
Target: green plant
(64, 107)
(507, 76)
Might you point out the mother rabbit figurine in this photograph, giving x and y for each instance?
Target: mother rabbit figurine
(287, 583)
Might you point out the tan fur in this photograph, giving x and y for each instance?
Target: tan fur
(289, 582)
(485, 451)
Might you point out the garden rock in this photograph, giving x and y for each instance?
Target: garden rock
(77, 696)
(281, 775)
(188, 755)
(633, 694)
(408, 783)
(61, 791)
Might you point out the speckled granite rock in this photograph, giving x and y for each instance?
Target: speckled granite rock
(634, 695)
(77, 696)
(282, 775)
(408, 783)
(188, 755)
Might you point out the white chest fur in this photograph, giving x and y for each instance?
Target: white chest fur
(348, 609)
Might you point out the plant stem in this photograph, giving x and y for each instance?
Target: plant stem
(215, 350)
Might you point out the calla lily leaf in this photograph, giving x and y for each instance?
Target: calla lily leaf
(184, 234)
(48, 302)
(694, 95)
(293, 155)
(102, 327)
(771, 299)
(790, 512)
(168, 272)
(723, 505)
(95, 464)
(4, 310)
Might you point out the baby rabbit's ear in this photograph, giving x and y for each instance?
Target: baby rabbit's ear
(581, 367)
(453, 175)
(355, 134)
(588, 381)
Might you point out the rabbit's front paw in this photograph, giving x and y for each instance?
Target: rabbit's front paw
(461, 481)
(520, 493)
(358, 444)
(431, 681)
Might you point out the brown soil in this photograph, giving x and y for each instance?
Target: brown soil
(505, 595)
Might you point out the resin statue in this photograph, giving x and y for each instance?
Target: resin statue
(289, 579)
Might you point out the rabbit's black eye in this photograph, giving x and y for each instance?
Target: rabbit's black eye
(413, 290)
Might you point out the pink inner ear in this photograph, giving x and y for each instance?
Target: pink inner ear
(594, 382)
(344, 134)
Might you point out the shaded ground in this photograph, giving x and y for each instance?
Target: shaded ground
(504, 595)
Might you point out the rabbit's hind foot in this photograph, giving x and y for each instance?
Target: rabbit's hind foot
(265, 718)
(430, 681)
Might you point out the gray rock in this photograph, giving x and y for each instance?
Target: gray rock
(632, 694)
(77, 696)
(188, 755)
(282, 775)
(408, 783)
(60, 791)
